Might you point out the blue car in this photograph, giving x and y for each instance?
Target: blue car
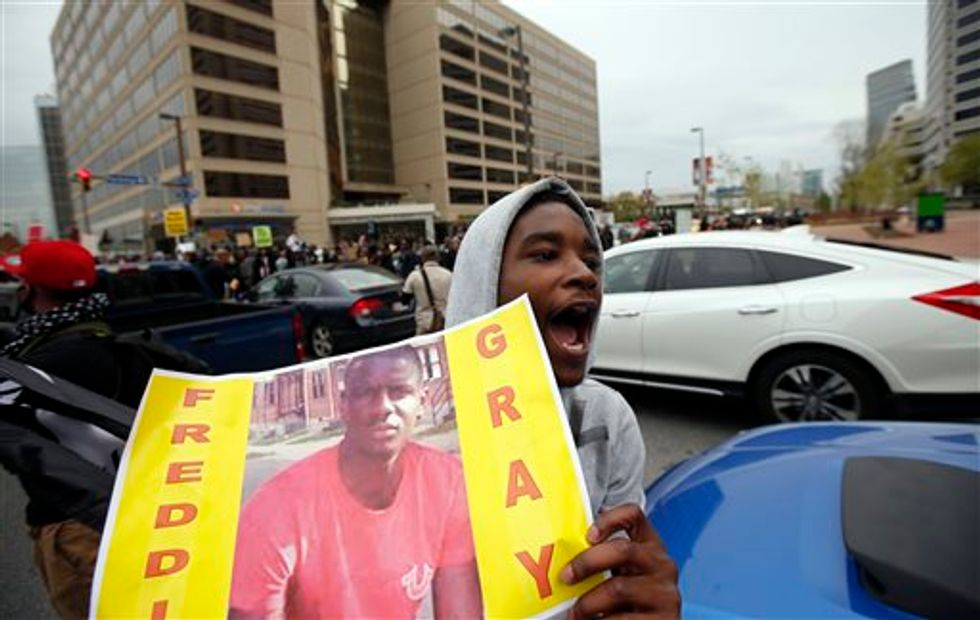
(827, 520)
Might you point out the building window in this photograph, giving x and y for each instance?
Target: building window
(519, 116)
(968, 76)
(495, 195)
(962, 115)
(493, 63)
(497, 153)
(573, 168)
(239, 185)
(593, 188)
(966, 20)
(259, 6)
(234, 146)
(591, 171)
(233, 107)
(458, 48)
(459, 97)
(464, 172)
(213, 64)
(499, 175)
(500, 132)
(456, 146)
(494, 86)
(968, 38)
(456, 72)
(465, 196)
(461, 122)
(230, 29)
(966, 95)
(496, 109)
(968, 57)
(575, 184)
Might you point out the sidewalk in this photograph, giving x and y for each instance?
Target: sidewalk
(960, 239)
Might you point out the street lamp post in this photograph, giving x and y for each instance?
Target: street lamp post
(701, 164)
(185, 196)
(515, 31)
(554, 161)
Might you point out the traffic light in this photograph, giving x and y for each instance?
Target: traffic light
(84, 176)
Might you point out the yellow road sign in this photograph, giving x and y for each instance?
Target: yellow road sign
(175, 222)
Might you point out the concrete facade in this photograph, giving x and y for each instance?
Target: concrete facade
(294, 111)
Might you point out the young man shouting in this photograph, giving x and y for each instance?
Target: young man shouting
(542, 241)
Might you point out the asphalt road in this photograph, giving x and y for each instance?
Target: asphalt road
(674, 426)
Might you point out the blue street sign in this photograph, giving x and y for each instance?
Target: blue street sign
(126, 179)
(187, 195)
(184, 181)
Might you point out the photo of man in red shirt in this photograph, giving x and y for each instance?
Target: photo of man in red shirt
(376, 526)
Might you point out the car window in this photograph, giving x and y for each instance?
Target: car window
(786, 267)
(628, 273)
(360, 279)
(130, 288)
(305, 285)
(266, 289)
(690, 268)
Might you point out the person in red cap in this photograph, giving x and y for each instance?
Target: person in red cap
(64, 334)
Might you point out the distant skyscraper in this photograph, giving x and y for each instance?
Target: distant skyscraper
(24, 195)
(953, 76)
(812, 183)
(888, 88)
(49, 119)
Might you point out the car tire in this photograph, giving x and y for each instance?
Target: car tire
(808, 385)
(321, 341)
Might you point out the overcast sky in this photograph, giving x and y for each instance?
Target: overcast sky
(766, 79)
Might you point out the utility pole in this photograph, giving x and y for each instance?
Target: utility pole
(515, 31)
(184, 181)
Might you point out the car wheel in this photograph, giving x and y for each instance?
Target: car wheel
(814, 385)
(321, 341)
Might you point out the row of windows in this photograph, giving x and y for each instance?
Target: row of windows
(469, 172)
(213, 64)
(236, 108)
(235, 146)
(230, 29)
(241, 185)
(697, 268)
(491, 130)
(962, 115)
(966, 39)
(966, 20)
(966, 95)
(962, 59)
(259, 6)
(968, 76)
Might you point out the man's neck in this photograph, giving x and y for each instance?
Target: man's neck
(372, 481)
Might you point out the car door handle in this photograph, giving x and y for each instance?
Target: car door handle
(623, 314)
(757, 310)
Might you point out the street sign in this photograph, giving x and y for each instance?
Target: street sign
(175, 222)
(187, 195)
(126, 179)
(262, 235)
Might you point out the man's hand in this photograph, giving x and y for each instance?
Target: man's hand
(644, 581)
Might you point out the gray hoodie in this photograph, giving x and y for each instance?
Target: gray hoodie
(603, 424)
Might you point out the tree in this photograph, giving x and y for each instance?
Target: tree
(745, 173)
(626, 206)
(962, 164)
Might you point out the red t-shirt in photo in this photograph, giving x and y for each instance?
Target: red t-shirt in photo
(308, 549)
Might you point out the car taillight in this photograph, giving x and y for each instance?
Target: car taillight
(364, 308)
(298, 336)
(963, 300)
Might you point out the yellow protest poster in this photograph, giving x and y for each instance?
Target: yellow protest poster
(436, 477)
(175, 222)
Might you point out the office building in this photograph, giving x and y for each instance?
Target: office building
(320, 117)
(24, 196)
(811, 184)
(953, 76)
(52, 138)
(888, 88)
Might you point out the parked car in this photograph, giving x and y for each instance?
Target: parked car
(171, 301)
(345, 307)
(827, 520)
(807, 328)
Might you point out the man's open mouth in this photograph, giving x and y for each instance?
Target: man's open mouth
(570, 328)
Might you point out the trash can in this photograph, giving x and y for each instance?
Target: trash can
(931, 212)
